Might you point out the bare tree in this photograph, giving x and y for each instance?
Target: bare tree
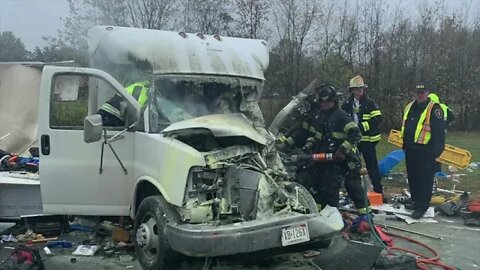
(252, 16)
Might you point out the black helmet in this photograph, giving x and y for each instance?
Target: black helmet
(326, 93)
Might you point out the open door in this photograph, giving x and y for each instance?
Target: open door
(70, 176)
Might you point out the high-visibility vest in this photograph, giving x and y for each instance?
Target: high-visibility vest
(138, 90)
(423, 131)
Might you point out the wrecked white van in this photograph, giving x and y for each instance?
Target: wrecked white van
(195, 168)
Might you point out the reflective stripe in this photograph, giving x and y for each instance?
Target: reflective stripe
(318, 135)
(347, 146)
(445, 111)
(366, 117)
(290, 141)
(349, 126)
(365, 210)
(423, 129)
(305, 125)
(312, 130)
(366, 126)
(111, 110)
(375, 138)
(339, 135)
(375, 113)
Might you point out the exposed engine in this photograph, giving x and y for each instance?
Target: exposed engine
(236, 185)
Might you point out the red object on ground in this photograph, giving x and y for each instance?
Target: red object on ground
(474, 206)
(424, 260)
(385, 238)
(375, 198)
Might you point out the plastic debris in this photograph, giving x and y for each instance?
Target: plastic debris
(86, 250)
(8, 239)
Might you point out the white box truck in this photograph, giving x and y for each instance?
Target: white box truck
(195, 168)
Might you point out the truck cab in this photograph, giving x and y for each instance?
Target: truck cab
(195, 166)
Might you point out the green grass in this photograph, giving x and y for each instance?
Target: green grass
(466, 140)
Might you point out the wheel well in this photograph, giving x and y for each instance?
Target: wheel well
(144, 189)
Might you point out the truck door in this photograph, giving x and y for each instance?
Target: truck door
(70, 178)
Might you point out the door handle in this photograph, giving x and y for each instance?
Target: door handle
(45, 144)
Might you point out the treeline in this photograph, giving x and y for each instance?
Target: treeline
(392, 44)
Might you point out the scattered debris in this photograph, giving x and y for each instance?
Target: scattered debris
(8, 239)
(125, 258)
(86, 250)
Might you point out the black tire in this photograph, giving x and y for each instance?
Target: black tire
(151, 245)
(305, 198)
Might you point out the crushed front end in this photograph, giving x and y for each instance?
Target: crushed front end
(242, 200)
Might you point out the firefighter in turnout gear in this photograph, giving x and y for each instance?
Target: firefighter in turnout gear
(112, 111)
(366, 114)
(328, 129)
(423, 133)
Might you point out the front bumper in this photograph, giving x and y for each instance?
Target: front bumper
(203, 240)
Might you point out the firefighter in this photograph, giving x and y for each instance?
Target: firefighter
(366, 114)
(111, 111)
(423, 133)
(330, 130)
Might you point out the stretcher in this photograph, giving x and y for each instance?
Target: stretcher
(454, 156)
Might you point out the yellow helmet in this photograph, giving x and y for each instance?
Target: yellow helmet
(357, 82)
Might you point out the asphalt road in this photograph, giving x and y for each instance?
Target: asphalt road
(459, 249)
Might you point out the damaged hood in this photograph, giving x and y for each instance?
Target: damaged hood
(221, 125)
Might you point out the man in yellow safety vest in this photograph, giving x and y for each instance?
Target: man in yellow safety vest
(423, 133)
(111, 110)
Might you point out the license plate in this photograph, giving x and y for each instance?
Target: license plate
(295, 234)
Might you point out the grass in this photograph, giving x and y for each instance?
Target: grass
(466, 140)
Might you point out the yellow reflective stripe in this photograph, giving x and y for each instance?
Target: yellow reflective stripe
(313, 130)
(339, 135)
(445, 111)
(282, 139)
(365, 210)
(347, 146)
(111, 110)
(318, 135)
(366, 117)
(349, 126)
(371, 138)
(423, 130)
(405, 116)
(290, 141)
(375, 113)
(366, 126)
(305, 125)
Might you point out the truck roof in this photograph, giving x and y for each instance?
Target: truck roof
(169, 52)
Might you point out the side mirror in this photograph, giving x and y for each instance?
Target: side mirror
(92, 128)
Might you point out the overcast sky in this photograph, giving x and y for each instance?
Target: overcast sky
(33, 19)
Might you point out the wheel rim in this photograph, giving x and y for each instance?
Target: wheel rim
(147, 238)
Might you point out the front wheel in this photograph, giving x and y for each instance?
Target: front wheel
(151, 245)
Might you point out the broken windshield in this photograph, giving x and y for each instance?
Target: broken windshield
(178, 98)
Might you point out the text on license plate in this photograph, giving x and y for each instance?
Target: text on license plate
(295, 234)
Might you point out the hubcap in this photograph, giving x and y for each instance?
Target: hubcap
(147, 238)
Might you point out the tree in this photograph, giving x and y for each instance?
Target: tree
(12, 48)
(252, 17)
(58, 53)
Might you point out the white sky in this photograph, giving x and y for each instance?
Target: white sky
(31, 20)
